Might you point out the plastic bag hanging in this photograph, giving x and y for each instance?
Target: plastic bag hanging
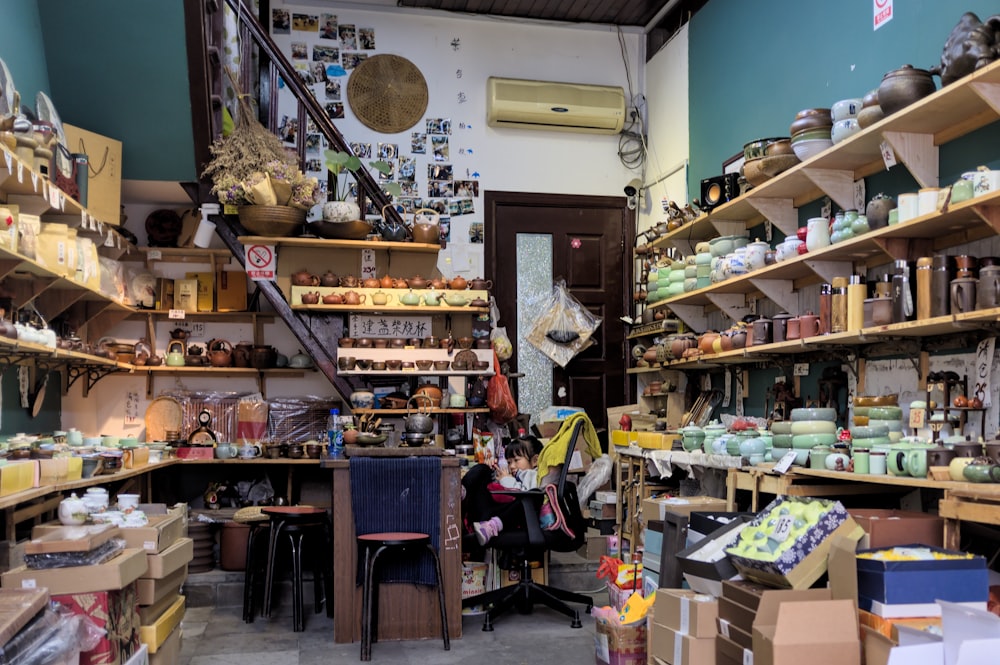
(565, 326)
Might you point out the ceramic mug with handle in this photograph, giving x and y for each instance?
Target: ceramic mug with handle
(249, 451)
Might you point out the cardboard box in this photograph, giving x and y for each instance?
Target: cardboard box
(741, 611)
(705, 564)
(151, 590)
(196, 452)
(620, 645)
(686, 612)
(819, 632)
(886, 528)
(958, 580)
(161, 532)
(656, 509)
(115, 611)
(701, 523)
(169, 652)
(148, 614)
(176, 556)
(59, 470)
(164, 293)
(206, 289)
(186, 294)
(230, 291)
(678, 649)
(115, 574)
(599, 510)
(104, 190)
(799, 566)
(17, 476)
(153, 636)
(888, 627)
(731, 631)
(595, 547)
(728, 652)
(737, 616)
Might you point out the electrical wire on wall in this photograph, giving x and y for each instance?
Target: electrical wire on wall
(632, 147)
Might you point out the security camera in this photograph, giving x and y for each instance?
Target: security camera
(633, 187)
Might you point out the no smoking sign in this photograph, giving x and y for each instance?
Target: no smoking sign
(260, 262)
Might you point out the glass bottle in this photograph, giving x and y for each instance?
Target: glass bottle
(335, 434)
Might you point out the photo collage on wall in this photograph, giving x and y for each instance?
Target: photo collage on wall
(323, 51)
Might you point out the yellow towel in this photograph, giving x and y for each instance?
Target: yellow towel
(554, 452)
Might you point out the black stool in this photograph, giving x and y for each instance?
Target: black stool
(300, 523)
(255, 564)
(374, 545)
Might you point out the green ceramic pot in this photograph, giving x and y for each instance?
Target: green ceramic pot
(810, 441)
(869, 431)
(781, 427)
(982, 473)
(814, 427)
(885, 413)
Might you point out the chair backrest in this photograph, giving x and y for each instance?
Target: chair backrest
(569, 501)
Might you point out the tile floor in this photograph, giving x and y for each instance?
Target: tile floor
(218, 636)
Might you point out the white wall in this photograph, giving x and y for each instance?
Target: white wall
(667, 103)
(507, 160)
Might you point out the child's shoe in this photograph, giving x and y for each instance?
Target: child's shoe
(487, 530)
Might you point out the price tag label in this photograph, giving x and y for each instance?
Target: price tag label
(783, 528)
(176, 314)
(917, 417)
(747, 657)
(154, 255)
(367, 263)
(28, 583)
(800, 369)
(859, 195)
(724, 628)
(888, 155)
(785, 463)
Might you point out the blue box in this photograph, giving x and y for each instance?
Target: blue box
(905, 582)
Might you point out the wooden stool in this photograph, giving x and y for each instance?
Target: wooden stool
(298, 523)
(374, 545)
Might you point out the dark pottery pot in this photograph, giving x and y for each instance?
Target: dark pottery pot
(901, 87)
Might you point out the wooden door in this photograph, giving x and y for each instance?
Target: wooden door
(591, 239)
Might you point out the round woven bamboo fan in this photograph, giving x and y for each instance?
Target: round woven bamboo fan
(387, 93)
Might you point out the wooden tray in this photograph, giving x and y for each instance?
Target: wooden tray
(162, 414)
(17, 608)
(71, 539)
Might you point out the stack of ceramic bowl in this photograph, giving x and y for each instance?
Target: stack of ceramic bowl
(880, 412)
(811, 132)
(873, 438)
(814, 430)
(870, 112)
(727, 244)
(845, 119)
(675, 286)
(781, 442)
(690, 273)
(703, 264)
(766, 158)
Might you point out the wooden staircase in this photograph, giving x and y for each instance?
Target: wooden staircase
(262, 63)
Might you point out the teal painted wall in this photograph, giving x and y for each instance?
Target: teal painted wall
(119, 68)
(21, 47)
(755, 63)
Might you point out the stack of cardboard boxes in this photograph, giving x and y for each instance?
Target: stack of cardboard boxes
(134, 596)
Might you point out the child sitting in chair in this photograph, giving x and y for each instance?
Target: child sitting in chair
(487, 514)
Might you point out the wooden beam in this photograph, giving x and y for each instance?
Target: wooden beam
(779, 212)
(918, 153)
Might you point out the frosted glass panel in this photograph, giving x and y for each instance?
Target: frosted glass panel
(534, 281)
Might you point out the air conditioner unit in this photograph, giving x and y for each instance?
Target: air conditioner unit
(564, 107)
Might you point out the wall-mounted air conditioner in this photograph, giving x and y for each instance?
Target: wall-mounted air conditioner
(565, 107)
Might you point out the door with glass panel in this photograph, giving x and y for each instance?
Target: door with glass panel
(532, 239)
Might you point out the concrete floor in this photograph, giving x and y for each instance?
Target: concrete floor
(218, 636)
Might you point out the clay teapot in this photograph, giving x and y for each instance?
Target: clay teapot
(220, 353)
(417, 282)
(179, 333)
(425, 232)
(386, 282)
(901, 87)
(310, 298)
(333, 299)
(329, 279)
(349, 281)
(241, 354)
(478, 302)
(305, 278)
(371, 283)
(480, 284)
(458, 283)
(439, 283)
(354, 298)
(263, 356)
(399, 283)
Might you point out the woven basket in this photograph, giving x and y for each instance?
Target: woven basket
(273, 221)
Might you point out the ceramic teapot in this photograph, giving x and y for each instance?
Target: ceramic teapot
(354, 298)
(381, 298)
(456, 300)
(432, 298)
(349, 281)
(458, 283)
(220, 353)
(241, 354)
(329, 279)
(333, 299)
(410, 298)
(386, 282)
(249, 451)
(439, 283)
(480, 284)
(175, 353)
(305, 278)
(392, 229)
(310, 298)
(73, 511)
(371, 283)
(417, 282)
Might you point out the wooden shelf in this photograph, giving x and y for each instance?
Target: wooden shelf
(390, 309)
(374, 373)
(430, 412)
(222, 371)
(320, 243)
(206, 316)
(914, 134)
(181, 255)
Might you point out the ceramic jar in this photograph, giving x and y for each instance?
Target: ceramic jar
(692, 437)
(988, 288)
(818, 234)
(73, 511)
(96, 499)
(901, 87)
(877, 210)
(756, 254)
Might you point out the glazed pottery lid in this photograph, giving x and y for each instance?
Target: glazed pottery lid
(784, 316)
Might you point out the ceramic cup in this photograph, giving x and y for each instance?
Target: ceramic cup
(876, 463)
(862, 459)
(927, 200)
(128, 502)
(908, 206)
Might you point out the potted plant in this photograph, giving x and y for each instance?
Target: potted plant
(341, 207)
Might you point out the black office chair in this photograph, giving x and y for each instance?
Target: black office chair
(530, 544)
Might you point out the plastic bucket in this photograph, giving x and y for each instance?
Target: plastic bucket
(473, 578)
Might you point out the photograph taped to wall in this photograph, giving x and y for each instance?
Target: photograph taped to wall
(454, 208)
(332, 88)
(325, 53)
(409, 189)
(418, 143)
(366, 39)
(348, 36)
(305, 73)
(287, 128)
(439, 172)
(352, 60)
(318, 71)
(314, 165)
(439, 206)
(383, 177)
(362, 150)
(329, 29)
(281, 22)
(300, 51)
(407, 168)
(439, 144)
(335, 110)
(444, 226)
(314, 142)
(476, 233)
(440, 188)
(387, 151)
(438, 126)
(305, 22)
(468, 188)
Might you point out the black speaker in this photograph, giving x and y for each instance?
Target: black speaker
(718, 189)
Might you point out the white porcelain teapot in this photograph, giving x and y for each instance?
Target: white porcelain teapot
(73, 511)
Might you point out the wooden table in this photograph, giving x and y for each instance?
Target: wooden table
(408, 611)
(809, 482)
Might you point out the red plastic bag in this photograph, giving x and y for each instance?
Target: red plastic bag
(499, 399)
